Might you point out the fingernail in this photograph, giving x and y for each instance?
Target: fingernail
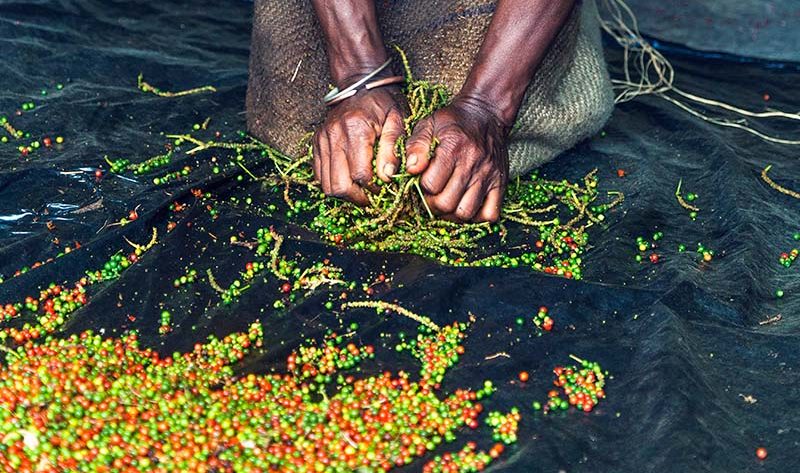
(389, 169)
(412, 160)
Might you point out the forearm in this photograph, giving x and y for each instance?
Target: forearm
(518, 38)
(353, 39)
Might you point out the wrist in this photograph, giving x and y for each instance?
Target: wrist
(484, 109)
(352, 73)
(498, 97)
(347, 70)
(352, 36)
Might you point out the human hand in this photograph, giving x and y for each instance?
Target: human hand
(343, 145)
(466, 177)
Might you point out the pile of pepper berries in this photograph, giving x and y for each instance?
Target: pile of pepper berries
(543, 320)
(582, 386)
(789, 257)
(110, 405)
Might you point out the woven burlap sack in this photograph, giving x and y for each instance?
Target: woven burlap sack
(569, 99)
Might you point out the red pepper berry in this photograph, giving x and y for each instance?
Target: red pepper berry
(524, 376)
(654, 258)
(621, 173)
(286, 288)
(98, 173)
(761, 453)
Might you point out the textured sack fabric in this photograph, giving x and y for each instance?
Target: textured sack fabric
(569, 99)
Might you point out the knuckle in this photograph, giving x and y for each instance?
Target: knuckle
(395, 118)
(427, 185)
(355, 121)
(334, 132)
(349, 116)
(464, 213)
(338, 188)
(430, 184)
(487, 172)
(361, 176)
(473, 150)
(445, 204)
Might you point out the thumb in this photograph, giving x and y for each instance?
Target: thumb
(418, 147)
(386, 162)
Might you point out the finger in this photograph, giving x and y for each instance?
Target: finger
(440, 170)
(359, 156)
(325, 162)
(342, 185)
(316, 158)
(447, 201)
(418, 147)
(490, 211)
(386, 162)
(471, 202)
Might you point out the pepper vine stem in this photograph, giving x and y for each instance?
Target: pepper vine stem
(387, 306)
(682, 201)
(777, 186)
(145, 87)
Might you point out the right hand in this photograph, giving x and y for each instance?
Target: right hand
(343, 145)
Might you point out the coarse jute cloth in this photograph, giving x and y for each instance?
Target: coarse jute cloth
(569, 99)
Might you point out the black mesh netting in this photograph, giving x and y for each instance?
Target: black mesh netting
(682, 339)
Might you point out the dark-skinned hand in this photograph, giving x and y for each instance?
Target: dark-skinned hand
(465, 179)
(343, 145)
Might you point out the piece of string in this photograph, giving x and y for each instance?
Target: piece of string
(647, 72)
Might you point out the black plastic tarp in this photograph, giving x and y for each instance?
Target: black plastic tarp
(682, 339)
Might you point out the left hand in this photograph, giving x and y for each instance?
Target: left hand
(466, 178)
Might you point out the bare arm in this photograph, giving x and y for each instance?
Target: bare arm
(466, 178)
(352, 38)
(343, 146)
(518, 39)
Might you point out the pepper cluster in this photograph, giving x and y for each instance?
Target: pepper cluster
(188, 278)
(166, 322)
(582, 385)
(268, 244)
(172, 176)
(468, 459)
(207, 201)
(53, 305)
(686, 200)
(319, 362)
(436, 350)
(17, 134)
(788, 258)
(51, 309)
(67, 250)
(704, 253)
(536, 204)
(543, 320)
(504, 426)
(643, 246)
(118, 166)
(554, 215)
(238, 286)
